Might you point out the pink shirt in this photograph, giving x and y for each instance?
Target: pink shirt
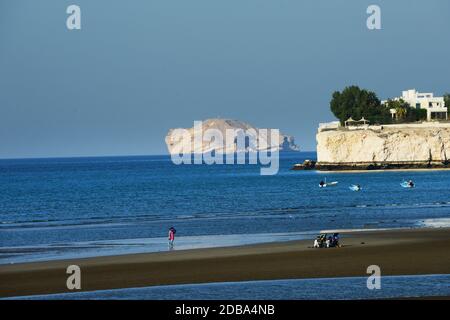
(171, 235)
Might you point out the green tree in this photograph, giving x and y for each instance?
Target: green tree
(404, 112)
(401, 112)
(419, 114)
(401, 108)
(447, 102)
(357, 103)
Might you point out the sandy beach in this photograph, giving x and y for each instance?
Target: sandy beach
(397, 252)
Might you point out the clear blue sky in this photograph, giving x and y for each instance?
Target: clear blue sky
(140, 67)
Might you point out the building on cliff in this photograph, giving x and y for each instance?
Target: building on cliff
(435, 106)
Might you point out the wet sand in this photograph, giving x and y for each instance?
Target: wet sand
(397, 252)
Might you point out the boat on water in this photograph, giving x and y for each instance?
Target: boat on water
(355, 187)
(407, 184)
(324, 184)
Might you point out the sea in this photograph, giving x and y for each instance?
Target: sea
(57, 208)
(344, 288)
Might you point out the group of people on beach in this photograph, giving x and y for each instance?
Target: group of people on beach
(321, 241)
(325, 241)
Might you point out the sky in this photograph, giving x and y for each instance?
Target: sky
(138, 68)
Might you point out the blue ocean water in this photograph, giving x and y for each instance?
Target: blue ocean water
(72, 207)
(347, 288)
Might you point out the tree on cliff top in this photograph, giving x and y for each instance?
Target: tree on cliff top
(404, 112)
(357, 103)
(447, 101)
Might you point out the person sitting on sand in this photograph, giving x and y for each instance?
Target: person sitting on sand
(319, 242)
(316, 243)
(323, 239)
(335, 240)
(329, 242)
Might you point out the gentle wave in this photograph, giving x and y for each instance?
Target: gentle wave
(303, 211)
(289, 289)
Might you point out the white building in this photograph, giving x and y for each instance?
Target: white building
(435, 106)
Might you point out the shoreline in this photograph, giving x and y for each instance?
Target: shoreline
(359, 167)
(382, 170)
(283, 289)
(397, 252)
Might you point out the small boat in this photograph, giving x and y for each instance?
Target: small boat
(406, 184)
(355, 187)
(328, 184)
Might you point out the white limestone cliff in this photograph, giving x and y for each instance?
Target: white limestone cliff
(421, 142)
(174, 144)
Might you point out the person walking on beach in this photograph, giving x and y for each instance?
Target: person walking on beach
(172, 232)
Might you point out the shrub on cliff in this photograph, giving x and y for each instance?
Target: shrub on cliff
(447, 101)
(404, 112)
(418, 114)
(357, 103)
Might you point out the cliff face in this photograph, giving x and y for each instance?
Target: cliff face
(285, 143)
(387, 144)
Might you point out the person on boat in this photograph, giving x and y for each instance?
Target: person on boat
(410, 184)
(321, 183)
(358, 187)
(172, 232)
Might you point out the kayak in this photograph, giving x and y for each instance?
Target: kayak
(405, 184)
(328, 184)
(354, 187)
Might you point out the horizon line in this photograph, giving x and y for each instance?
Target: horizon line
(108, 156)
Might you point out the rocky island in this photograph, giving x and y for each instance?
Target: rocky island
(284, 143)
